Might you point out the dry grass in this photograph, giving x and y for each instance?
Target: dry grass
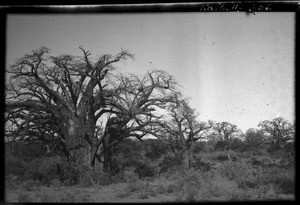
(229, 180)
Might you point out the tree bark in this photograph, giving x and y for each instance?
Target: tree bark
(186, 158)
(107, 159)
(74, 132)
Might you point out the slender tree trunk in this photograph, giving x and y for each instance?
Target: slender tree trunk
(186, 158)
(107, 159)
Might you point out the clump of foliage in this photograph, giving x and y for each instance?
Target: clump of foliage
(170, 163)
(42, 169)
(15, 166)
(203, 164)
(145, 170)
(95, 177)
(155, 149)
(24, 198)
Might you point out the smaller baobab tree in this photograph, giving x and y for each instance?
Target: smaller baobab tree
(136, 103)
(183, 128)
(279, 132)
(225, 133)
(254, 138)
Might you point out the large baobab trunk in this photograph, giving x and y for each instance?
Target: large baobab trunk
(74, 132)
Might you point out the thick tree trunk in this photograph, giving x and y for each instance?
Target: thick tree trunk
(76, 144)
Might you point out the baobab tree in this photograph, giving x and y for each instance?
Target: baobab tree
(61, 101)
(136, 104)
(225, 132)
(182, 128)
(279, 132)
(255, 138)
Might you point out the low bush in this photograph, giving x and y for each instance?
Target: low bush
(143, 169)
(24, 198)
(135, 186)
(47, 169)
(72, 173)
(95, 177)
(250, 152)
(238, 145)
(123, 193)
(246, 176)
(45, 198)
(192, 186)
(42, 169)
(12, 181)
(68, 197)
(221, 156)
(202, 164)
(143, 195)
(282, 178)
(237, 171)
(129, 175)
(15, 166)
(170, 163)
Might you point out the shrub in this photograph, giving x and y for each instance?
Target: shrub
(222, 155)
(71, 173)
(68, 197)
(12, 181)
(14, 166)
(95, 177)
(152, 190)
(29, 184)
(47, 169)
(247, 182)
(42, 169)
(135, 186)
(24, 198)
(191, 186)
(234, 170)
(198, 147)
(189, 194)
(45, 198)
(130, 175)
(144, 170)
(123, 193)
(286, 184)
(160, 189)
(282, 178)
(118, 178)
(170, 163)
(143, 195)
(143, 188)
(238, 145)
(269, 191)
(202, 164)
(154, 149)
(84, 198)
(239, 196)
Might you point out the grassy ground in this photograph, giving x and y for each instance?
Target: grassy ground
(213, 178)
(176, 187)
(219, 191)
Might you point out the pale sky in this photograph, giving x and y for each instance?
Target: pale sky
(234, 67)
